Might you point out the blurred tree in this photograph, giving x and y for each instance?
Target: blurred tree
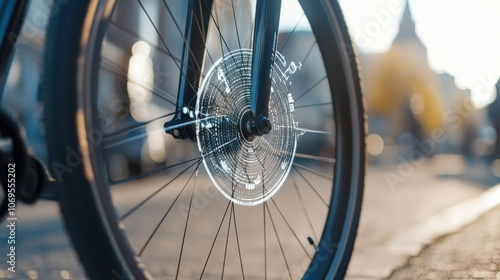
(402, 86)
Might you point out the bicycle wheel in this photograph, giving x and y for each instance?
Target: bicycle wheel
(140, 204)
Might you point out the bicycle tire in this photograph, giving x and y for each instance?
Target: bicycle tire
(75, 37)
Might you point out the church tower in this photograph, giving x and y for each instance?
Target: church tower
(407, 35)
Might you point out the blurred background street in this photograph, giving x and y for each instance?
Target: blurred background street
(432, 195)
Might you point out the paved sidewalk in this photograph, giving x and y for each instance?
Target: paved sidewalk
(472, 253)
(389, 216)
(434, 199)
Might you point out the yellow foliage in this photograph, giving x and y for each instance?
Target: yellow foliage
(402, 77)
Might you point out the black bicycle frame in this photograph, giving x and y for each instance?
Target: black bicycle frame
(265, 37)
(193, 55)
(11, 19)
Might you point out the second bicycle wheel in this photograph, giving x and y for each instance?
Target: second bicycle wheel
(218, 205)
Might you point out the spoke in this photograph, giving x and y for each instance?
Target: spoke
(229, 223)
(167, 97)
(236, 24)
(305, 58)
(221, 37)
(307, 130)
(215, 239)
(192, 122)
(305, 209)
(161, 38)
(166, 213)
(112, 67)
(265, 239)
(123, 217)
(238, 241)
(220, 33)
(217, 25)
(136, 126)
(311, 88)
(236, 27)
(313, 105)
(291, 33)
(252, 23)
(130, 139)
(203, 30)
(312, 187)
(314, 131)
(163, 95)
(185, 228)
(265, 230)
(290, 227)
(129, 179)
(159, 93)
(246, 170)
(186, 43)
(164, 43)
(270, 146)
(279, 241)
(135, 34)
(143, 135)
(220, 147)
(317, 158)
(227, 239)
(303, 156)
(312, 171)
(223, 41)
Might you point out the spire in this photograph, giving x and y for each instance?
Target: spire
(407, 29)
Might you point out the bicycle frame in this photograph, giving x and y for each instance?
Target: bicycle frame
(11, 19)
(265, 37)
(267, 19)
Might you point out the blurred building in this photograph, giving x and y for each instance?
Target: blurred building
(408, 102)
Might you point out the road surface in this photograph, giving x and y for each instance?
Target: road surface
(385, 242)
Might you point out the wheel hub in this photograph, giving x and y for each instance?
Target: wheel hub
(246, 168)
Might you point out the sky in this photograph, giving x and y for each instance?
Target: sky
(462, 36)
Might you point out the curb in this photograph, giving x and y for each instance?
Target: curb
(410, 242)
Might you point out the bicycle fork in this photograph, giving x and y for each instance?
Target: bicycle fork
(256, 121)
